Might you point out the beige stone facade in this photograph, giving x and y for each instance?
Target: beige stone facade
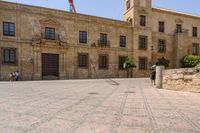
(29, 42)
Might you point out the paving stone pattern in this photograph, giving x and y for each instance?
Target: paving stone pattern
(96, 106)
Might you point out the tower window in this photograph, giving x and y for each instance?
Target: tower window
(142, 20)
(128, 4)
(143, 42)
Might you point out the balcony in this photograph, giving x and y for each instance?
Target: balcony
(104, 44)
(180, 31)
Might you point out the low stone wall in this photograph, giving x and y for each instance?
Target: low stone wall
(185, 79)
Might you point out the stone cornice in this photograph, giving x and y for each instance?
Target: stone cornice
(59, 13)
(175, 13)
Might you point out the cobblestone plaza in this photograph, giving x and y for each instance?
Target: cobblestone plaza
(96, 106)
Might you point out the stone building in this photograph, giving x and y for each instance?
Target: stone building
(43, 43)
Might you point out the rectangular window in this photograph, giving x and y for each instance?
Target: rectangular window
(83, 60)
(82, 37)
(103, 39)
(162, 46)
(122, 41)
(142, 63)
(103, 61)
(128, 4)
(8, 29)
(121, 62)
(194, 31)
(142, 20)
(50, 33)
(178, 28)
(195, 49)
(9, 55)
(143, 42)
(161, 26)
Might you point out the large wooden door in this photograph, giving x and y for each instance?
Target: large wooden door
(50, 66)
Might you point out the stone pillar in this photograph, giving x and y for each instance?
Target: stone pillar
(159, 76)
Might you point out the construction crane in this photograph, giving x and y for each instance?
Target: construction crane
(71, 6)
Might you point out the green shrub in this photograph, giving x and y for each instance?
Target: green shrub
(129, 63)
(190, 61)
(163, 62)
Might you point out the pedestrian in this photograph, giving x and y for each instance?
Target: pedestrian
(16, 76)
(153, 76)
(12, 76)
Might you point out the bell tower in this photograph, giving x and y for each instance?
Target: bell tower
(138, 12)
(133, 8)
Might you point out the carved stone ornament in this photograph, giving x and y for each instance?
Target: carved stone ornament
(179, 21)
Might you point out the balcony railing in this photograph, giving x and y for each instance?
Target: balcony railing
(103, 43)
(177, 31)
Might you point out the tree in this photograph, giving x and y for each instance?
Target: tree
(163, 62)
(190, 61)
(129, 65)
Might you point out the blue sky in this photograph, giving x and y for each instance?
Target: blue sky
(113, 8)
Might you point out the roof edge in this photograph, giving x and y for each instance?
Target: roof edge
(179, 13)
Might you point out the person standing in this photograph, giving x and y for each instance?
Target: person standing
(153, 77)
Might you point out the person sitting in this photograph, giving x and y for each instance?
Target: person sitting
(16, 76)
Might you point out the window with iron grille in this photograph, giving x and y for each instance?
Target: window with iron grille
(103, 38)
(194, 31)
(143, 42)
(103, 61)
(9, 55)
(8, 29)
(83, 60)
(128, 4)
(161, 26)
(161, 46)
(142, 20)
(50, 33)
(142, 63)
(195, 48)
(178, 28)
(82, 37)
(121, 62)
(122, 41)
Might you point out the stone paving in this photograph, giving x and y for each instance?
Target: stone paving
(96, 106)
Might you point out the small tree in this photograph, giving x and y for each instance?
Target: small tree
(190, 61)
(129, 65)
(163, 62)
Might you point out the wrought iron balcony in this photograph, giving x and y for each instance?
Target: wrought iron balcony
(104, 43)
(177, 31)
